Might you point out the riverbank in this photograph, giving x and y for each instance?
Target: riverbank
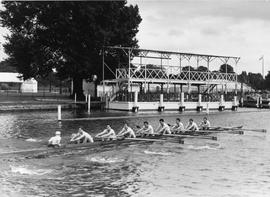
(30, 103)
(38, 101)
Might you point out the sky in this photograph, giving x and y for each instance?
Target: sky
(220, 27)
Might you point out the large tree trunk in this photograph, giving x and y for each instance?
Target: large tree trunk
(77, 87)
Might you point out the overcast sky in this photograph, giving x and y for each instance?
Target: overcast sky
(236, 27)
(221, 27)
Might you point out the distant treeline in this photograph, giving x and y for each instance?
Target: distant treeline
(255, 80)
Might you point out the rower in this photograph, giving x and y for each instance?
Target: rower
(82, 137)
(205, 124)
(178, 127)
(192, 126)
(126, 132)
(146, 130)
(55, 141)
(108, 133)
(163, 128)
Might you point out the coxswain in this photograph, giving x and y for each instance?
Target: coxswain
(163, 128)
(108, 133)
(147, 129)
(126, 132)
(82, 137)
(55, 141)
(178, 127)
(192, 126)
(205, 125)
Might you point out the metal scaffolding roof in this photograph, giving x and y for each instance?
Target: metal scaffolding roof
(166, 54)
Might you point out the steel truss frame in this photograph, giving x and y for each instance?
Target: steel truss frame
(170, 74)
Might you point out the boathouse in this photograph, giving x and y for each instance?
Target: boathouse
(10, 81)
(167, 80)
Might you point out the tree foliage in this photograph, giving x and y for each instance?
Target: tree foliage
(67, 36)
(255, 80)
(267, 81)
(226, 68)
(243, 77)
(188, 68)
(202, 69)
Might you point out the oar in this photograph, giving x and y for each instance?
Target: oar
(191, 136)
(255, 130)
(240, 132)
(225, 128)
(146, 139)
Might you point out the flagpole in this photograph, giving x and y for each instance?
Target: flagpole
(263, 66)
(262, 58)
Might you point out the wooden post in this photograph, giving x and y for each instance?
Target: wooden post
(200, 100)
(135, 98)
(221, 100)
(161, 100)
(207, 108)
(161, 106)
(59, 113)
(89, 103)
(182, 98)
(235, 101)
(260, 102)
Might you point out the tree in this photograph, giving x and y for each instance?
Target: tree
(267, 81)
(188, 68)
(256, 80)
(202, 69)
(226, 67)
(67, 36)
(243, 77)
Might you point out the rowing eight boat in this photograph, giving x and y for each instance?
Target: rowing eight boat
(47, 150)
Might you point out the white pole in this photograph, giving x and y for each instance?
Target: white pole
(221, 100)
(103, 83)
(75, 98)
(129, 52)
(200, 100)
(182, 98)
(263, 67)
(235, 100)
(89, 102)
(207, 108)
(59, 112)
(135, 98)
(161, 100)
(86, 98)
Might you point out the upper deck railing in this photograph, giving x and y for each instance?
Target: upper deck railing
(172, 74)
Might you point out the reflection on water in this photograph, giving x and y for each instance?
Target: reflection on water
(235, 165)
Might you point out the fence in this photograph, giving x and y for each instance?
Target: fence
(173, 73)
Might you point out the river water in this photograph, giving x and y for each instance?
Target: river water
(235, 165)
